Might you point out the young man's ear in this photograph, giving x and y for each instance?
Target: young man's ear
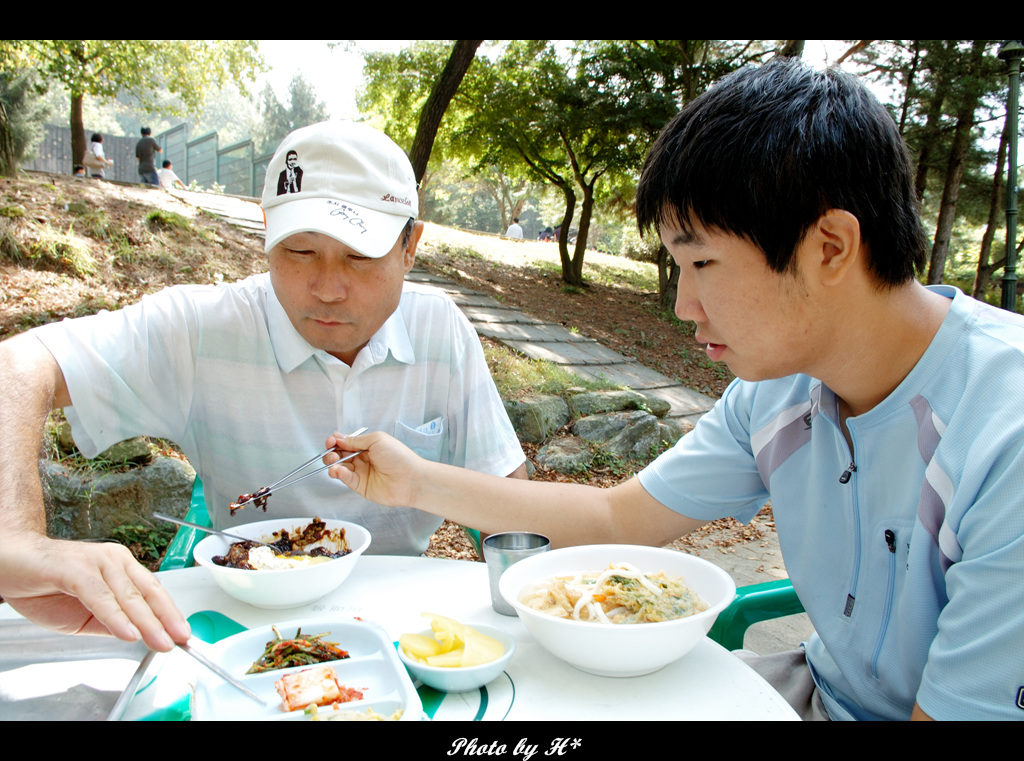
(835, 245)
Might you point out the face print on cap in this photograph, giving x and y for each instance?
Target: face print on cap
(290, 180)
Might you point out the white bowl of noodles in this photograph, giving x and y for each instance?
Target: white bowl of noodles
(617, 649)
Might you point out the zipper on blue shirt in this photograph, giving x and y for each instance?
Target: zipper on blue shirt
(890, 540)
(844, 478)
(850, 470)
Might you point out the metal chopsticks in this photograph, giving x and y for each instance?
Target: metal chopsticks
(221, 673)
(266, 491)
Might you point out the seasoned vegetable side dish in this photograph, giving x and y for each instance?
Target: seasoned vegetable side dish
(282, 653)
(621, 594)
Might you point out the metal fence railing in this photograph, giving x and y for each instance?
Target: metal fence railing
(195, 159)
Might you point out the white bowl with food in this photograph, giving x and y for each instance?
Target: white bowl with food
(582, 607)
(460, 678)
(278, 579)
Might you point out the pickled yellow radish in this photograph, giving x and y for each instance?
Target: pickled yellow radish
(454, 645)
(418, 646)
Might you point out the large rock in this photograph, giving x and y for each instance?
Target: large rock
(671, 430)
(134, 450)
(130, 450)
(91, 508)
(537, 417)
(566, 454)
(623, 434)
(596, 402)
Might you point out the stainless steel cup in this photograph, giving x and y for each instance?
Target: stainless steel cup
(501, 551)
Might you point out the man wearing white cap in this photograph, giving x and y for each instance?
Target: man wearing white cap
(248, 377)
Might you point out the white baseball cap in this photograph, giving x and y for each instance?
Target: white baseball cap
(344, 179)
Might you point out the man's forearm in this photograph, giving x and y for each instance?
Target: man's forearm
(33, 385)
(72, 587)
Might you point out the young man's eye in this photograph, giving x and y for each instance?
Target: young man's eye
(701, 264)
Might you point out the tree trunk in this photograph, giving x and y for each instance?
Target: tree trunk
(433, 110)
(8, 167)
(568, 276)
(932, 132)
(668, 279)
(586, 213)
(955, 170)
(982, 276)
(908, 89)
(77, 130)
(950, 198)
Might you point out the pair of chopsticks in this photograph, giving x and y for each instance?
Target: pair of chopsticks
(216, 669)
(129, 692)
(266, 491)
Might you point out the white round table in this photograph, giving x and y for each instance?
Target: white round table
(709, 683)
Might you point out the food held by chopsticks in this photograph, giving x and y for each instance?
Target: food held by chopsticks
(257, 498)
(282, 653)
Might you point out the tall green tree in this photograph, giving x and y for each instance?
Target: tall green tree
(974, 81)
(676, 71)
(188, 69)
(397, 88)
(22, 115)
(437, 102)
(946, 92)
(277, 120)
(570, 119)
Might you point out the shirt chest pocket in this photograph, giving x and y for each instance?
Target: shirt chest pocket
(426, 440)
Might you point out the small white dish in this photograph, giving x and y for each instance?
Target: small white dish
(459, 679)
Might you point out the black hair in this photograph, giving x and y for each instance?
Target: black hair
(146, 131)
(407, 232)
(96, 138)
(167, 163)
(766, 151)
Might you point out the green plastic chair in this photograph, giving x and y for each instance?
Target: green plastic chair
(757, 602)
(179, 552)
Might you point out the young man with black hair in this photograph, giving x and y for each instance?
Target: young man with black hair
(880, 417)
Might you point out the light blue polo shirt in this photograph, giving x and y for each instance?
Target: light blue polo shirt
(912, 567)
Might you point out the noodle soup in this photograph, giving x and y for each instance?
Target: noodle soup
(620, 594)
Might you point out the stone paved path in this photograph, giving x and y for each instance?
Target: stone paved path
(578, 354)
